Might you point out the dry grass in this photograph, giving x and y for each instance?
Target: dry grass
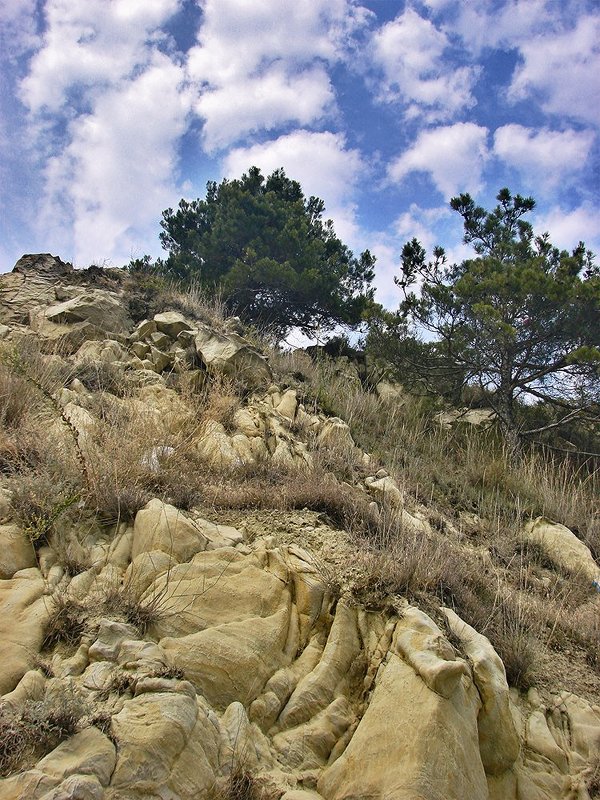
(243, 785)
(37, 728)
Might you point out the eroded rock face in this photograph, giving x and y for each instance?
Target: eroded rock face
(229, 648)
(248, 652)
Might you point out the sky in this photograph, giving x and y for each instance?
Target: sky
(113, 110)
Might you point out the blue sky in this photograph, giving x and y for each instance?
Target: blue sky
(112, 110)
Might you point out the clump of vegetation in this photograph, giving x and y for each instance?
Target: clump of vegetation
(38, 727)
(243, 785)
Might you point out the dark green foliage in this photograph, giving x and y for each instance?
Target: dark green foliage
(522, 318)
(267, 248)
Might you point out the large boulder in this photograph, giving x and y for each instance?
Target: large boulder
(411, 744)
(232, 355)
(562, 547)
(97, 307)
(16, 551)
(30, 284)
(23, 616)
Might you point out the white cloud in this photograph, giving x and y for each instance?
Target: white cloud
(569, 227)
(90, 44)
(486, 23)
(115, 177)
(263, 102)
(453, 155)
(17, 26)
(560, 69)
(259, 65)
(410, 51)
(543, 157)
(320, 162)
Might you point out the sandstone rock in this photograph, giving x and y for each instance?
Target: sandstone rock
(110, 637)
(216, 587)
(100, 308)
(160, 526)
(88, 752)
(391, 392)
(172, 323)
(30, 284)
(23, 616)
(152, 731)
(233, 661)
(77, 787)
(469, 416)
(107, 351)
(16, 551)
(562, 547)
(422, 645)
(336, 433)
(427, 759)
(317, 690)
(232, 355)
(498, 739)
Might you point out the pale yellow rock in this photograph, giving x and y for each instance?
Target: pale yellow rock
(248, 423)
(266, 708)
(160, 526)
(152, 731)
(308, 746)
(391, 392)
(233, 355)
(232, 662)
(195, 769)
(562, 547)
(172, 323)
(215, 588)
(216, 448)
(498, 739)
(288, 405)
(411, 744)
(23, 616)
(316, 691)
(423, 645)
(16, 551)
(77, 787)
(31, 687)
(336, 433)
(98, 307)
(145, 568)
(107, 351)
(88, 752)
(385, 490)
(110, 637)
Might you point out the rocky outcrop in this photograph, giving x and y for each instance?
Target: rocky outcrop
(563, 548)
(197, 645)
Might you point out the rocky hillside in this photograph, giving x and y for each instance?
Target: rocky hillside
(209, 590)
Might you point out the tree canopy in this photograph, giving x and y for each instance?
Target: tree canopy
(268, 250)
(521, 318)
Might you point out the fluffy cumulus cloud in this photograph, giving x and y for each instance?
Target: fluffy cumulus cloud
(107, 107)
(568, 227)
(102, 177)
(410, 52)
(556, 69)
(89, 45)
(321, 162)
(17, 26)
(453, 156)
(263, 64)
(545, 158)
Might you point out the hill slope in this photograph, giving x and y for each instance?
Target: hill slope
(209, 590)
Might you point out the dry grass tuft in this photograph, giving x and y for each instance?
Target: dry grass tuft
(37, 728)
(243, 785)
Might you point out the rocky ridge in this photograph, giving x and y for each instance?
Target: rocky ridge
(244, 655)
